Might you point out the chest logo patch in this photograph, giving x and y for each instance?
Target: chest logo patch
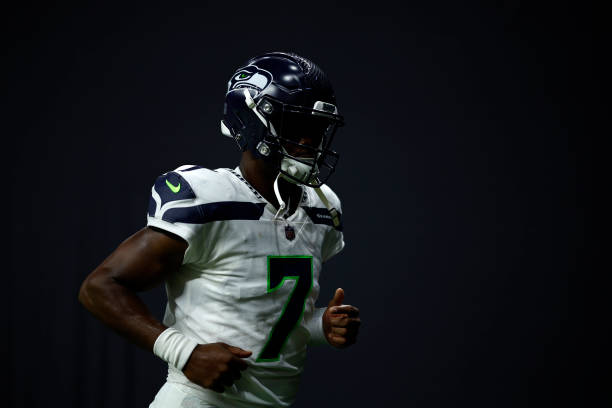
(289, 232)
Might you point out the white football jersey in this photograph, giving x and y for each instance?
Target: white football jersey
(248, 279)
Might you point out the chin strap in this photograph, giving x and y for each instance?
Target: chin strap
(332, 211)
(282, 205)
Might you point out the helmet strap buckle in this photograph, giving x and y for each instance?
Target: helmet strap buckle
(263, 149)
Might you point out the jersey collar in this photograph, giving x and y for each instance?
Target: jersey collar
(236, 172)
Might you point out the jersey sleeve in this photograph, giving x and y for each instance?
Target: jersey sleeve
(333, 242)
(174, 207)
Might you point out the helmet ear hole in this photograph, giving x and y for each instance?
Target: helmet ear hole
(263, 149)
(266, 107)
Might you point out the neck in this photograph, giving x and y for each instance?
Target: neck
(261, 175)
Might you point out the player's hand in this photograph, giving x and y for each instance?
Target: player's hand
(216, 365)
(340, 322)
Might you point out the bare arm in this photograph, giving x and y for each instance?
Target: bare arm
(140, 263)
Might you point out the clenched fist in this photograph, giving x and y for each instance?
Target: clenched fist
(340, 322)
(216, 365)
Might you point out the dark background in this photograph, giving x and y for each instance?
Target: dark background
(465, 192)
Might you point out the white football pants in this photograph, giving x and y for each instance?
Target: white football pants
(175, 395)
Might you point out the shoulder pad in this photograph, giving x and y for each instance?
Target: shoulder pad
(172, 186)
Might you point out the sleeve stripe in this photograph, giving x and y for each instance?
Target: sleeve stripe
(321, 216)
(220, 211)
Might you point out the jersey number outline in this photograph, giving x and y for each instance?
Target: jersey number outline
(281, 269)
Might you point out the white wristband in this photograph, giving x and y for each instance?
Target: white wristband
(174, 347)
(315, 327)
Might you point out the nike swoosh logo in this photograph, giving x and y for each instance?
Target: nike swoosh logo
(175, 189)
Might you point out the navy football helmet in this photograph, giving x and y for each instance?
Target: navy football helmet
(280, 103)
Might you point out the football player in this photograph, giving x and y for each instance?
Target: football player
(240, 250)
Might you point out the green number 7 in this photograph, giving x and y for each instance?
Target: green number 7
(280, 269)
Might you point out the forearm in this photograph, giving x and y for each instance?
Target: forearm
(121, 309)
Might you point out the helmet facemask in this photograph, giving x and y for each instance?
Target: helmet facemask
(288, 127)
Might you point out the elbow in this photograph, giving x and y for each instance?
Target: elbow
(84, 292)
(91, 287)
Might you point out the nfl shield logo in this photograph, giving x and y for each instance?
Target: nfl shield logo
(289, 232)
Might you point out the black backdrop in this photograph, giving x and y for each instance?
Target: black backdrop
(465, 194)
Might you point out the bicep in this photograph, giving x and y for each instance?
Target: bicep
(144, 260)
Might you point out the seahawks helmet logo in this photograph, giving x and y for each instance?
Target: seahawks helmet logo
(250, 77)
